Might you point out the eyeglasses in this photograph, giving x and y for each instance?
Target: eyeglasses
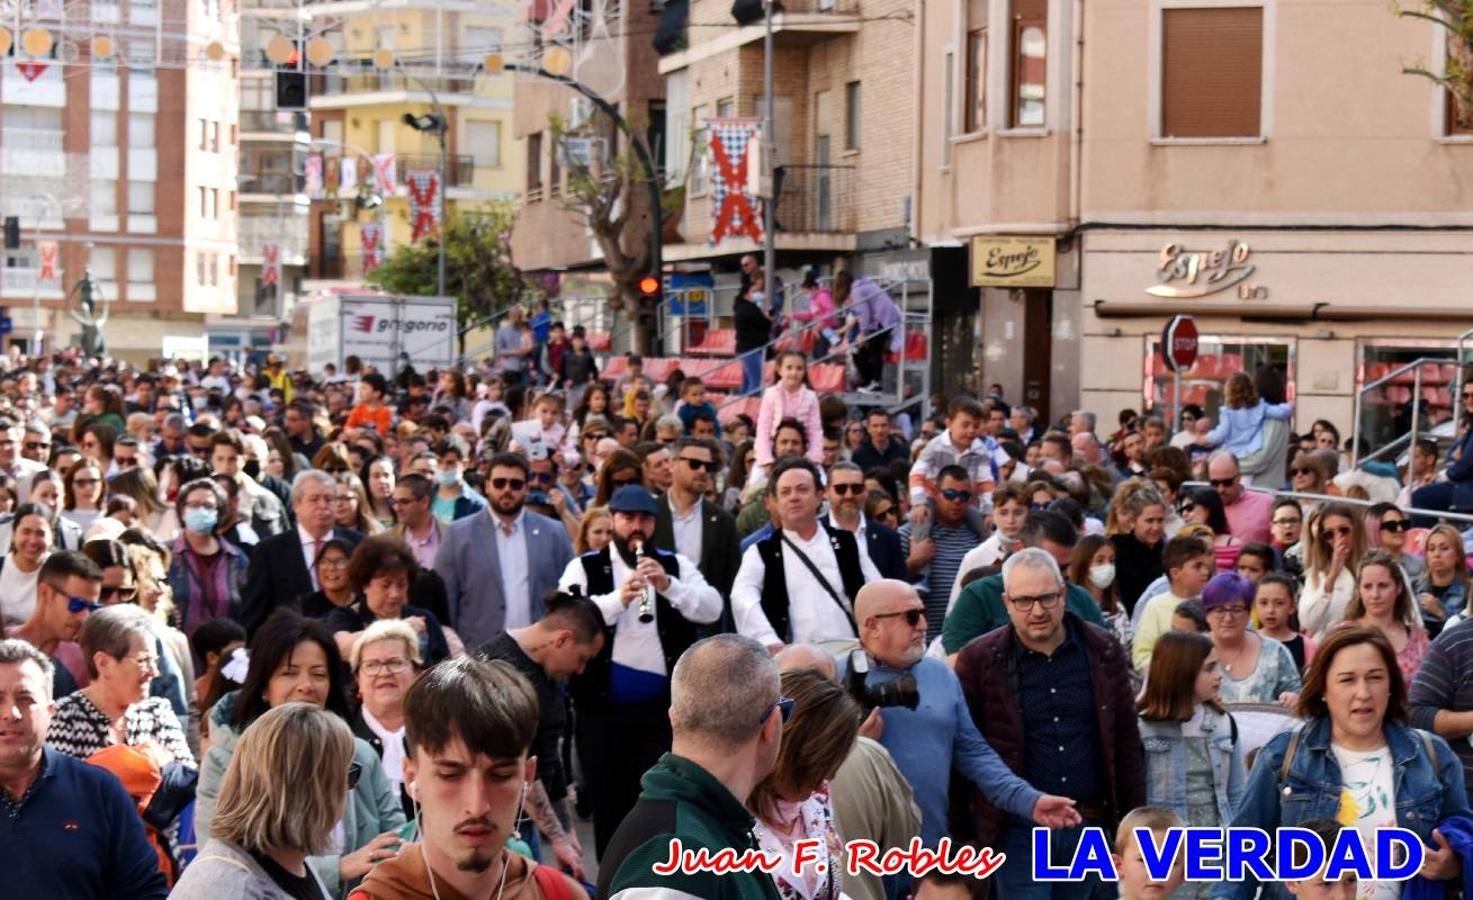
(1302, 470)
(1186, 508)
(1047, 601)
(951, 495)
(541, 477)
(912, 616)
(85, 482)
(620, 482)
(785, 704)
(124, 594)
(75, 605)
(147, 662)
(1228, 611)
(502, 484)
(1395, 525)
(1222, 482)
(697, 465)
(332, 562)
(885, 513)
(37, 445)
(201, 452)
(855, 488)
(1293, 521)
(594, 436)
(348, 498)
(394, 666)
(209, 506)
(125, 462)
(403, 501)
(355, 769)
(1343, 531)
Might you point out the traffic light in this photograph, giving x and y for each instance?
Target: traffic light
(291, 90)
(12, 232)
(649, 287)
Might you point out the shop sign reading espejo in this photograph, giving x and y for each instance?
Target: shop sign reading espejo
(1019, 262)
(1185, 273)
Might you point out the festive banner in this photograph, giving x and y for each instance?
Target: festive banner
(731, 143)
(332, 171)
(31, 70)
(371, 237)
(424, 201)
(271, 263)
(314, 176)
(383, 173)
(349, 167)
(47, 251)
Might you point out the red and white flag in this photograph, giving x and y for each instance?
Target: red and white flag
(271, 263)
(424, 201)
(383, 173)
(48, 252)
(371, 237)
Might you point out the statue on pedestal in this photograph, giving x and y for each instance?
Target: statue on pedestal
(91, 320)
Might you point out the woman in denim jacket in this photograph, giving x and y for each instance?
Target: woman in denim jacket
(1194, 766)
(1353, 752)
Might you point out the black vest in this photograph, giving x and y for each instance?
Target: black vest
(675, 631)
(775, 584)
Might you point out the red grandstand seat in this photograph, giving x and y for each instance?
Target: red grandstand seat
(915, 346)
(827, 378)
(1416, 541)
(1376, 371)
(600, 341)
(1229, 365)
(658, 368)
(726, 377)
(614, 368)
(716, 342)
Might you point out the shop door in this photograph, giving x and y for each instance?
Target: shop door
(1038, 331)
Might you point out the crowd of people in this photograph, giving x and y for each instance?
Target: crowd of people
(279, 634)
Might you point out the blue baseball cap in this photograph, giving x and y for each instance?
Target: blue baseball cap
(631, 498)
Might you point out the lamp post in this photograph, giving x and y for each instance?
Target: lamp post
(36, 338)
(769, 204)
(438, 124)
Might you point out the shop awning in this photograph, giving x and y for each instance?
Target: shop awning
(1307, 312)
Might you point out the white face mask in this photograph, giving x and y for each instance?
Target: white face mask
(1102, 576)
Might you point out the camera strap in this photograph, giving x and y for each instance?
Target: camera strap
(844, 606)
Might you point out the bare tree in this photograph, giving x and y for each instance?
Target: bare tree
(1456, 16)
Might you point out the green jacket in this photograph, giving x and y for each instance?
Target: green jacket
(681, 800)
(979, 609)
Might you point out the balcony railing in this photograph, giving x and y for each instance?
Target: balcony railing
(815, 198)
(374, 81)
(806, 7)
(31, 139)
(273, 122)
(460, 171)
(275, 183)
(289, 231)
(22, 282)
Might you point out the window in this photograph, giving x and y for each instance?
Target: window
(204, 134)
(103, 262)
(947, 120)
(534, 162)
(1212, 72)
(725, 108)
(141, 130)
(701, 169)
(1029, 63)
(485, 143)
(207, 268)
(214, 137)
(555, 170)
(104, 128)
(1459, 116)
(677, 126)
(140, 274)
(974, 113)
(851, 116)
(214, 203)
(1220, 357)
(204, 202)
(104, 197)
(140, 198)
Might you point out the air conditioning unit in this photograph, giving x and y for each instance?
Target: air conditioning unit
(580, 110)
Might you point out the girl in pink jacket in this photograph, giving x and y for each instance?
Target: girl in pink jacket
(789, 398)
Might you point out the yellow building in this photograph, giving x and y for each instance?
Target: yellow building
(408, 57)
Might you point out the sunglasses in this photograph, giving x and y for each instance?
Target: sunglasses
(124, 594)
(1301, 470)
(541, 477)
(1222, 482)
(697, 465)
(594, 436)
(952, 495)
(620, 482)
(885, 513)
(501, 484)
(783, 704)
(855, 489)
(912, 616)
(85, 482)
(36, 445)
(1186, 508)
(355, 770)
(1395, 525)
(75, 605)
(1343, 531)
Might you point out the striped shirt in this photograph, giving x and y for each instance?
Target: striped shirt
(1445, 682)
(953, 542)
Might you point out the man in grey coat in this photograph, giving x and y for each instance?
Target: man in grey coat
(498, 565)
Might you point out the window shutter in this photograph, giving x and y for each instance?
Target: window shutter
(1212, 72)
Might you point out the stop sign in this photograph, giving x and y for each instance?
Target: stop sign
(1179, 343)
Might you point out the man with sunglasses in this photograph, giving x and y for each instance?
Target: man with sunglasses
(416, 526)
(936, 539)
(36, 444)
(1248, 512)
(727, 713)
(686, 524)
(623, 696)
(846, 493)
(497, 565)
(1052, 695)
(67, 591)
(12, 462)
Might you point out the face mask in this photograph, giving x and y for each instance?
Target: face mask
(198, 402)
(251, 468)
(1102, 576)
(448, 479)
(200, 520)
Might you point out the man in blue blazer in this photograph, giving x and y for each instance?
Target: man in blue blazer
(498, 565)
(845, 494)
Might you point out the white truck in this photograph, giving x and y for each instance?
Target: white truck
(382, 330)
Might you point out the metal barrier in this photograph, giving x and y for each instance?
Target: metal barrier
(1466, 518)
(1415, 367)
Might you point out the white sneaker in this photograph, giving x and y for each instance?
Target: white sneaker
(872, 388)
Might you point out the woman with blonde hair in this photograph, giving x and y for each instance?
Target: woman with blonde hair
(792, 804)
(1334, 543)
(1136, 524)
(351, 507)
(595, 531)
(1442, 593)
(280, 801)
(385, 661)
(1383, 600)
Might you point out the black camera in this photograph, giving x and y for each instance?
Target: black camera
(903, 691)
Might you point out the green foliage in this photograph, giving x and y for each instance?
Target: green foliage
(479, 271)
(1456, 16)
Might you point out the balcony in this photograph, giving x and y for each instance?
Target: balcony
(31, 151)
(460, 171)
(286, 124)
(290, 231)
(337, 90)
(795, 23)
(815, 199)
(275, 184)
(18, 282)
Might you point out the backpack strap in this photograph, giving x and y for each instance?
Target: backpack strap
(1428, 746)
(551, 883)
(1289, 754)
(1233, 724)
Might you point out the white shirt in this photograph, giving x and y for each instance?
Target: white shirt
(17, 593)
(310, 547)
(988, 553)
(687, 529)
(1369, 791)
(812, 613)
(637, 644)
(861, 535)
(516, 575)
(393, 742)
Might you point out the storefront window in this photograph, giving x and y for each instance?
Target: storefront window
(1219, 357)
(1386, 409)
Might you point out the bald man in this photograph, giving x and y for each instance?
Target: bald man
(939, 733)
(1249, 513)
(801, 657)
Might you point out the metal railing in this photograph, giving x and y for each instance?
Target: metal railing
(460, 171)
(274, 183)
(1466, 518)
(815, 198)
(1396, 377)
(286, 122)
(375, 81)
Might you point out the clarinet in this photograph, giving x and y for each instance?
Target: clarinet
(647, 599)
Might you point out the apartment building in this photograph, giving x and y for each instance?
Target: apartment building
(1251, 163)
(116, 149)
(401, 57)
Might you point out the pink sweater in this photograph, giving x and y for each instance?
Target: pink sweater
(778, 404)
